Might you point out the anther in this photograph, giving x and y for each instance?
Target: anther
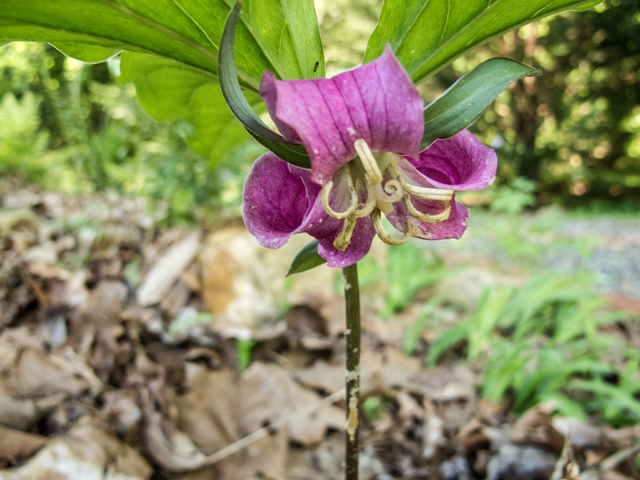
(374, 175)
(353, 205)
(384, 236)
(343, 240)
(424, 217)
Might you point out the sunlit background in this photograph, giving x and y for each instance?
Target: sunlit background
(568, 138)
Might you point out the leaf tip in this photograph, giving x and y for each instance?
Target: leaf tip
(535, 73)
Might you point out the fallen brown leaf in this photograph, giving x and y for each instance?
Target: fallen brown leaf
(15, 444)
(84, 453)
(167, 270)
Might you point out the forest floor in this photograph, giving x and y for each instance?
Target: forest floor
(130, 351)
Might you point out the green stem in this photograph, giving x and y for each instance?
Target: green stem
(352, 300)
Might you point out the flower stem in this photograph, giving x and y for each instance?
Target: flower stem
(352, 300)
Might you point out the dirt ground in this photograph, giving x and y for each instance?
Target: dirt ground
(132, 352)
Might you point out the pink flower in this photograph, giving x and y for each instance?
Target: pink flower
(362, 130)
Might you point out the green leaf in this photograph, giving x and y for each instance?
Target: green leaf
(294, 154)
(171, 91)
(445, 342)
(464, 102)
(426, 35)
(239, 106)
(588, 6)
(306, 259)
(277, 35)
(86, 53)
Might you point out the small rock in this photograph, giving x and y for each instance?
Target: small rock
(523, 463)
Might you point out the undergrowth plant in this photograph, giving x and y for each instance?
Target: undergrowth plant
(544, 341)
(404, 272)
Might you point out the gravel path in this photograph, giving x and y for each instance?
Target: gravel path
(606, 247)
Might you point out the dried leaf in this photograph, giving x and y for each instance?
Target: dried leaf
(15, 444)
(167, 271)
(14, 219)
(267, 393)
(84, 453)
(535, 428)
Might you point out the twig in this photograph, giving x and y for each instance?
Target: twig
(163, 452)
(266, 431)
(35, 287)
(566, 468)
(617, 458)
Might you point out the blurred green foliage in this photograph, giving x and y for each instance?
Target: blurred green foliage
(515, 196)
(575, 131)
(406, 271)
(373, 408)
(544, 341)
(244, 347)
(71, 126)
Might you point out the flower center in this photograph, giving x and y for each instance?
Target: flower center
(371, 185)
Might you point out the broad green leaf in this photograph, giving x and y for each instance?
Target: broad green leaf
(239, 106)
(86, 53)
(171, 91)
(464, 102)
(588, 6)
(426, 35)
(290, 153)
(277, 35)
(306, 259)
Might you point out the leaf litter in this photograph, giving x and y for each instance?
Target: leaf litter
(119, 359)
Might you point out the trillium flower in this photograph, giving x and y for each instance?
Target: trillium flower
(362, 130)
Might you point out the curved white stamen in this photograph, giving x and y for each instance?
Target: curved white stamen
(353, 205)
(369, 204)
(415, 190)
(424, 217)
(374, 175)
(384, 236)
(343, 240)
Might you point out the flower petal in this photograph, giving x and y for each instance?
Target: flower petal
(275, 201)
(280, 200)
(453, 227)
(376, 102)
(358, 248)
(460, 162)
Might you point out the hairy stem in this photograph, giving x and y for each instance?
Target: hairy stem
(352, 300)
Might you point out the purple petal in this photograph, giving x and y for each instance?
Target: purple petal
(358, 248)
(460, 162)
(453, 227)
(280, 200)
(275, 201)
(376, 102)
